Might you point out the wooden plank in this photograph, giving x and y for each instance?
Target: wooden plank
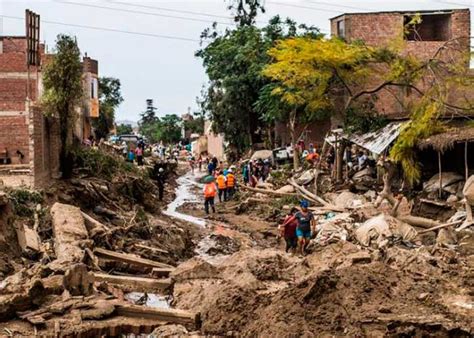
(126, 258)
(141, 246)
(168, 315)
(142, 284)
(161, 272)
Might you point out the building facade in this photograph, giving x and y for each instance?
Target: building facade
(29, 141)
(444, 33)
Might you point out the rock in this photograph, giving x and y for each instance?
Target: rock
(28, 239)
(452, 199)
(362, 257)
(306, 177)
(446, 237)
(468, 190)
(170, 330)
(195, 268)
(447, 178)
(78, 281)
(286, 189)
(381, 227)
(423, 296)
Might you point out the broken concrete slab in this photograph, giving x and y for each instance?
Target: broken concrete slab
(28, 239)
(69, 232)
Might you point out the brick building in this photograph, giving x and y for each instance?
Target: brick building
(29, 141)
(436, 29)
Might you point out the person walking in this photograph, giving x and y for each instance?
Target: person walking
(210, 191)
(139, 153)
(160, 179)
(288, 231)
(306, 223)
(230, 184)
(222, 186)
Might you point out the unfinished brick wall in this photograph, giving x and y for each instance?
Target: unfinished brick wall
(14, 137)
(381, 29)
(45, 147)
(313, 133)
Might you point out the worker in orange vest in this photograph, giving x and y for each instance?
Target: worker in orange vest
(230, 184)
(222, 186)
(210, 191)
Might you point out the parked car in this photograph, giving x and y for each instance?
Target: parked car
(282, 154)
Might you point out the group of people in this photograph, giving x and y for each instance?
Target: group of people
(131, 154)
(297, 228)
(222, 185)
(256, 170)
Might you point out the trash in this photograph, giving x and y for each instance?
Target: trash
(382, 227)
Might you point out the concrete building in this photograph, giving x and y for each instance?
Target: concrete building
(445, 32)
(90, 106)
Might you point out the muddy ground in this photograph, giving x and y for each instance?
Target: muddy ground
(232, 268)
(254, 288)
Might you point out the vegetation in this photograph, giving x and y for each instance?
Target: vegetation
(62, 81)
(166, 129)
(110, 98)
(124, 129)
(25, 201)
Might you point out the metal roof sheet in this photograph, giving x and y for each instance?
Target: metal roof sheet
(377, 141)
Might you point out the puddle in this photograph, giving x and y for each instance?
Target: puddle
(184, 194)
(154, 300)
(202, 250)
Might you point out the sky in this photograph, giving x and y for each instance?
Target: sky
(160, 64)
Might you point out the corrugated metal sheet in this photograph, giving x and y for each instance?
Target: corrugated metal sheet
(379, 140)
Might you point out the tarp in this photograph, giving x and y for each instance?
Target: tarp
(376, 141)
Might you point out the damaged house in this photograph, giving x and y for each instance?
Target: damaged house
(441, 32)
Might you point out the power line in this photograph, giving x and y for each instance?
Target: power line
(138, 12)
(303, 7)
(341, 6)
(169, 9)
(454, 3)
(170, 37)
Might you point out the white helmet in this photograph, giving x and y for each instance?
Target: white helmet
(161, 170)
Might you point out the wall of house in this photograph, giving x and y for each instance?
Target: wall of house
(382, 29)
(312, 133)
(45, 147)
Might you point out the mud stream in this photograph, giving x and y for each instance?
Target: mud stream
(186, 193)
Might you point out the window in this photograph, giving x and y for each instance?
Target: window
(341, 29)
(94, 88)
(433, 27)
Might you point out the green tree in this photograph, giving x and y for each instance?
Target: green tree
(233, 62)
(124, 129)
(110, 97)
(169, 129)
(62, 80)
(148, 123)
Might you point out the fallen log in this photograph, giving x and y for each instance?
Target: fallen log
(308, 193)
(265, 191)
(421, 222)
(132, 283)
(441, 226)
(170, 315)
(129, 259)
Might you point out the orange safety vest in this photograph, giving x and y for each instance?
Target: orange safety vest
(221, 182)
(230, 180)
(210, 190)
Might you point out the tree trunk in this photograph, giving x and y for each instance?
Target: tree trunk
(296, 152)
(340, 160)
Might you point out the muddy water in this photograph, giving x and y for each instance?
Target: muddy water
(185, 193)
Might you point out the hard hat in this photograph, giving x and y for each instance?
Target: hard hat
(161, 170)
(230, 170)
